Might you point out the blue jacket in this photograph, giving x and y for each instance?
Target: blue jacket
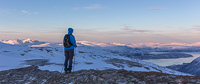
(72, 39)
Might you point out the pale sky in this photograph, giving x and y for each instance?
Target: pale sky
(122, 21)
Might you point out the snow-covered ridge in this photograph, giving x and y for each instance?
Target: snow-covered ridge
(29, 42)
(89, 43)
(36, 43)
(20, 42)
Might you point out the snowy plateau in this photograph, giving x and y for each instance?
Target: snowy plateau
(25, 57)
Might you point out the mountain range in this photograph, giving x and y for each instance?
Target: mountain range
(90, 57)
(52, 58)
(174, 45)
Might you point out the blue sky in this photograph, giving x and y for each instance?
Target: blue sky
(123, 21)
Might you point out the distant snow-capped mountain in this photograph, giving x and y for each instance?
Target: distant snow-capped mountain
(145, 47)
(13, 42)
(90, 43)
(29, 42)
(142, 45)
(21, 42)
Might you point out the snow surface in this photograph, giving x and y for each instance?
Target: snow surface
(87, 56)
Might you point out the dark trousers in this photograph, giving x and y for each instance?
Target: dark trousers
(68, 58)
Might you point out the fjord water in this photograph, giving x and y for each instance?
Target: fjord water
(177, 61)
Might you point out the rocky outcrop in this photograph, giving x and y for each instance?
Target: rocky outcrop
(32, 75)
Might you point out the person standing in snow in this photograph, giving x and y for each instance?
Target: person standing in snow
(69, 50)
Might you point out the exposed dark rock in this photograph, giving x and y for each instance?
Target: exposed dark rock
(88, 63)
(121, 62)
(5, 51)
(82, 52)
(49, 51)
(32, 75)
(143, 53)
(147, 56)
(22, 54)
(38, 62)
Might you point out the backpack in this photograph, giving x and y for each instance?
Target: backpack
(66, 42)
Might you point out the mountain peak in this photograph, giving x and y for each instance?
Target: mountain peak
(29, 40)
(19, 41)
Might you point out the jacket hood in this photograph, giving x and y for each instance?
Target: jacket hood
(70, 30)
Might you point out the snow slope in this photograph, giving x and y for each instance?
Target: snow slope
(191, 68)
(86, 56)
